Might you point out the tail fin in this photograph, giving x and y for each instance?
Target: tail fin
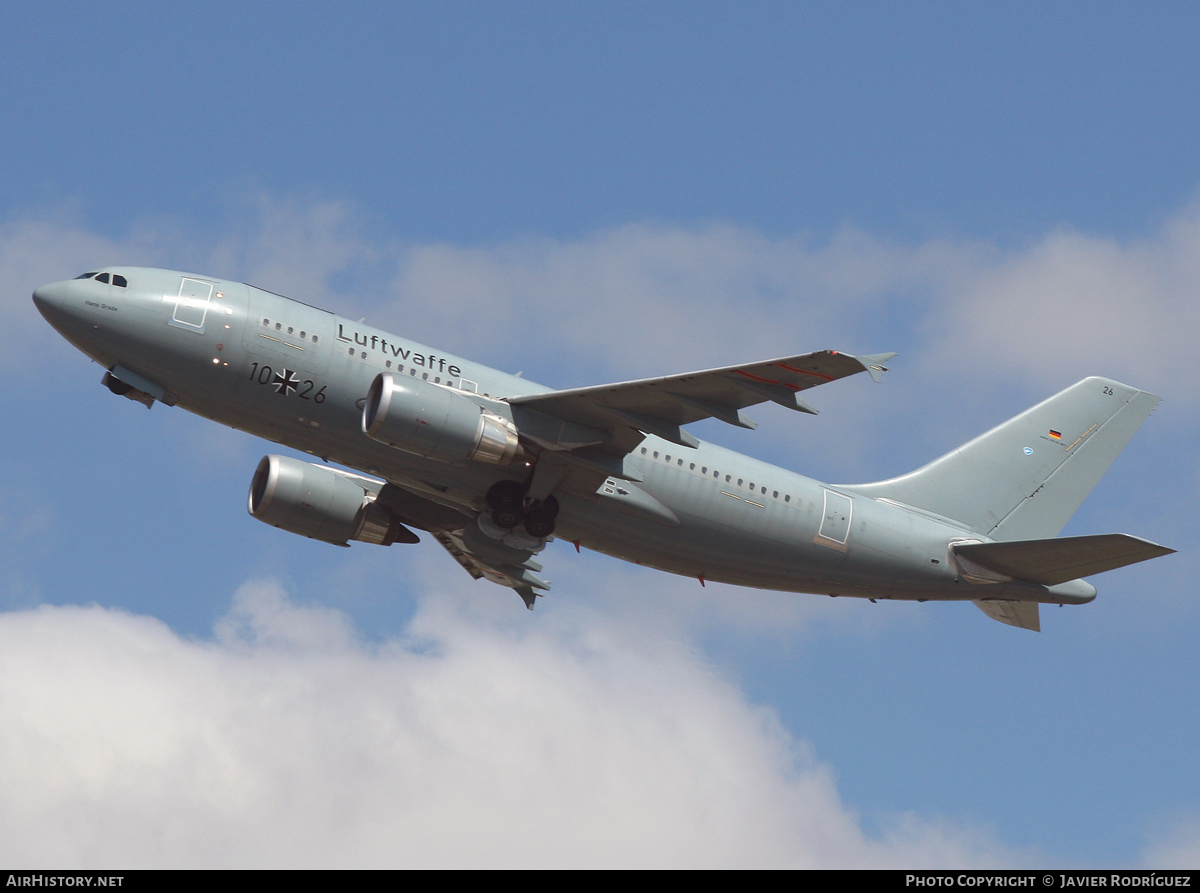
(1025, 478)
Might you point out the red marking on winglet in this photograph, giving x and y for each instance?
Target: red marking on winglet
(576, 542)
(701, 579)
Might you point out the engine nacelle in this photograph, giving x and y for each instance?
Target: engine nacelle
(436, 423)
(321, 503)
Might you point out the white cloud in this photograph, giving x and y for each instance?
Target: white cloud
(642, 299)
(286, 741)
(1176, 846)
(651, 299)
(1074, 302)
(295, 248)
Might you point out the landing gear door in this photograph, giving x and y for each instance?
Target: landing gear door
(191, 306)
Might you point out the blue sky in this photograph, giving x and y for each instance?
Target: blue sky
(1007, 196)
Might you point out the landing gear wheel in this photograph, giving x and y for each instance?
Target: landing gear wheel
(539, 520)
(506, 499)
(507, 516)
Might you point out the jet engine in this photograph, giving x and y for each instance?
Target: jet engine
(322, 503)
(436, 423)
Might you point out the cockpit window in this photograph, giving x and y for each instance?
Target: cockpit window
(117, 279)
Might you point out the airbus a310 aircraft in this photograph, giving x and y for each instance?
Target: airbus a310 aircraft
(492, 465)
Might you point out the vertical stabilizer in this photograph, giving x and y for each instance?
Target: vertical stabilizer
(1025, 478)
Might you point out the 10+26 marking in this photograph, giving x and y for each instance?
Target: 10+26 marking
(285, 382)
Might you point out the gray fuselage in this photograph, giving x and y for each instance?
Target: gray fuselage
(298, 376)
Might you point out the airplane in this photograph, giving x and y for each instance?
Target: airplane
(493, 466)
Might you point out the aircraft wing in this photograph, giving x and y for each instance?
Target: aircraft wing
(505, 563)
(660, 406)
(507, 559)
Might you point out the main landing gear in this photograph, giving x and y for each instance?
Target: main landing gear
(510, 508)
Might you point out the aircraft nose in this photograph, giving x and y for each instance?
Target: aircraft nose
(49, 298)
(60, 307)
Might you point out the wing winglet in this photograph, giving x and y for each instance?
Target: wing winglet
(873, 363)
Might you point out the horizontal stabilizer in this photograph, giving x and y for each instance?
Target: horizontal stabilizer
(1052, 561)
(1022, 614)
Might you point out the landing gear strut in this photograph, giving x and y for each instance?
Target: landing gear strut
(509, 508)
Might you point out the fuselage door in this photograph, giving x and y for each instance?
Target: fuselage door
(835, 522)
(191, 307)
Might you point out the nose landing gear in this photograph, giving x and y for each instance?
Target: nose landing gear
(510, 508)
